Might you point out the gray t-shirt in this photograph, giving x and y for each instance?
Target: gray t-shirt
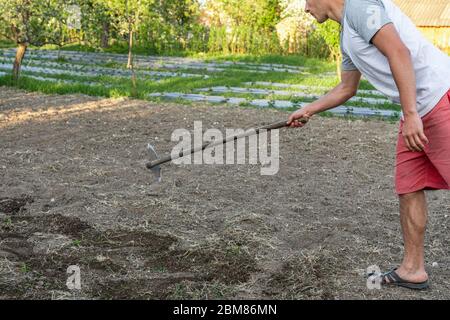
(362, 19)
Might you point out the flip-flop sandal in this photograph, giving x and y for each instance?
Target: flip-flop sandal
(392, 278)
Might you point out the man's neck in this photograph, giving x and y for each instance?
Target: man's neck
(336, 10)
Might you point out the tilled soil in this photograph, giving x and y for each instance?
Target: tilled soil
(74, 191)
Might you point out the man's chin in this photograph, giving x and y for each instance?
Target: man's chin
(319, 19)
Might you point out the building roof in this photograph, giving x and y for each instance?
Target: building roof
(427, 13)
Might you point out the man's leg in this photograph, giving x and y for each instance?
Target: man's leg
(417, 171)
(413, 217)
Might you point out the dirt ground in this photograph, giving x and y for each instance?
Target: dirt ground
(74, 191)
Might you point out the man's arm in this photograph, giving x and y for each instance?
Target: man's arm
(337, 96)
(389, 43)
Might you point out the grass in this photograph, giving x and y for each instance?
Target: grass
(76, 243)
(109, 80)
(316, 65)
(118, 47)
(122, 48)
(7, 223)
(69, 47)
(24, 268)
(122, 87)
(62, 88)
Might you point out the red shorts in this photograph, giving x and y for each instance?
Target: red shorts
(429, 169)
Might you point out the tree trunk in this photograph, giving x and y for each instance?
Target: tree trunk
(104, 42)
(134, 92)
(130, 64)
(338, 60)
(338, 68)
(21, 50)
(130, 48)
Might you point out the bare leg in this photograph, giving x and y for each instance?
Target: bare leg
(413, 217)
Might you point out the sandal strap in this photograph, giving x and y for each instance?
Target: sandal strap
(392, 276)
(396, 277)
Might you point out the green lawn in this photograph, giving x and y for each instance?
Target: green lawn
(233, 78)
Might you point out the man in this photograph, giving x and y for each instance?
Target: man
(380, 42)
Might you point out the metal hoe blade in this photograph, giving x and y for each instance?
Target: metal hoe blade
(154, 156)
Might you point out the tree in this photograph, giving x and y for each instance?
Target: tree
(263, 14)
(129, 14)
(180, 16)
(330, 32)
(28, 22)
(295, 26)
(250, 25)
(97, 22)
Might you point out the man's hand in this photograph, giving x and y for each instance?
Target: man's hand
(337, 96)
(295, 116)
(413, 133)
